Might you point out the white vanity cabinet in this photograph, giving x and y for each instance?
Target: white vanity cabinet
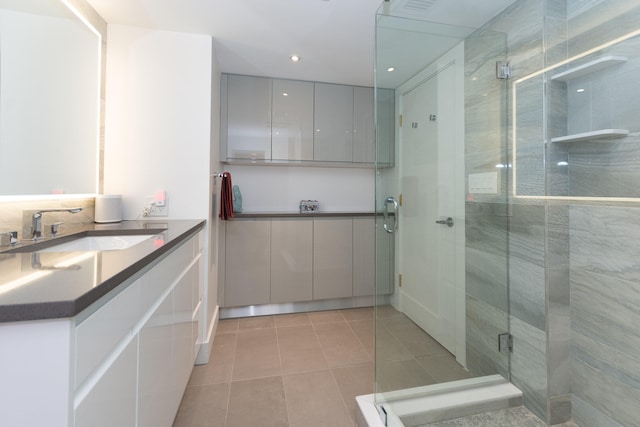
(292, 120)
(134, 355)
(246, 117)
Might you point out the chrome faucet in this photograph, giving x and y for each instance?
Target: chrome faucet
(36, 220)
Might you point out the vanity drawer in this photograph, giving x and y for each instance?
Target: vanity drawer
(101, 332)
(164, 274)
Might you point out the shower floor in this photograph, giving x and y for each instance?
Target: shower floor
(512, 417)
(407, 357)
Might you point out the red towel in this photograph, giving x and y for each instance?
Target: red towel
(226, 197)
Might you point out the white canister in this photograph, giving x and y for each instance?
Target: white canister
(108, 208)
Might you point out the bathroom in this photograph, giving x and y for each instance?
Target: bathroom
(533, 248)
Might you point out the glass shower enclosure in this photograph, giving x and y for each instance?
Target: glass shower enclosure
(442, 307)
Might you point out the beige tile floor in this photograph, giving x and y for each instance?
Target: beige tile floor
(306, 369)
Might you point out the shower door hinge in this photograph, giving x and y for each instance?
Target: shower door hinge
(503, 70)
(400, 280)
(400, 199)
(400, 121)
(505, 343)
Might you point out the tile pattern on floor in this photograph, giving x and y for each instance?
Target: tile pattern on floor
(286, 370)
(306, 369)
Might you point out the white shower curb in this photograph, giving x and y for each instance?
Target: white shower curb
(422, 405)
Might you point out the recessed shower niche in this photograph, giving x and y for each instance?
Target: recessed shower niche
(585, 110)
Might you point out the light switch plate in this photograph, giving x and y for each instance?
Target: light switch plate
(485, 183)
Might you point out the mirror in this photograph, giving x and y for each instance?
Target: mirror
(49, 100)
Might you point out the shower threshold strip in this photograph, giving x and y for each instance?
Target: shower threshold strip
(438, 402)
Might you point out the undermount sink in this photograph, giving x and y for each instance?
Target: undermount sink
(98, 243)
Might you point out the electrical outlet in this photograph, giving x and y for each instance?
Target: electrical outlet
(155, 209)
(159, 210)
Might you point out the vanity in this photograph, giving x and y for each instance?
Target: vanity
(100, 335)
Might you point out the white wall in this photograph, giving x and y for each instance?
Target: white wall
(162, 104)
(158, 119)
(280, 188)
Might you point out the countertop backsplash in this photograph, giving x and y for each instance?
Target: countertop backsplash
(11, 212)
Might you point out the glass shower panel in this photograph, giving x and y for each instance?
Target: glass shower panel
(442, 174)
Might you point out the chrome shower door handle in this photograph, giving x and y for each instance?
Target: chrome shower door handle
(448, 222)
(386, 226)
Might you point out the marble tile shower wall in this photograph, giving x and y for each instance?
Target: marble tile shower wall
(570, 266)
(512, 243)
(605, 271)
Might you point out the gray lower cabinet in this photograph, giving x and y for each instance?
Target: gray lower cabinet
(247, 262)
(364, 256)
(332, 258)
(284, 260)
(291, 260)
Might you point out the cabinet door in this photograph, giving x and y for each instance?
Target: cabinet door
(386, 131)
(364, 256)
(291, 260)
(364, 141)
(112, 400)
(247, 262)
(333, 123)
(292, 120)
(332, 258)
(248, 117)
(156, 374)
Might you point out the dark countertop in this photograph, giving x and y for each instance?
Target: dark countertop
(251, 215)
(30, 289)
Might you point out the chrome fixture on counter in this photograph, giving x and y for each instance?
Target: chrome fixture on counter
(8, 238)
(309, 206)
(36, 222)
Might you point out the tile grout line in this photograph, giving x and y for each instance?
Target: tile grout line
(233, 367)
(284, 388)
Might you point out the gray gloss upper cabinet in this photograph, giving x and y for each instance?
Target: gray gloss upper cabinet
(292, 120)
(248, 117)
(364, 143)
(386, 131)
(333, 123)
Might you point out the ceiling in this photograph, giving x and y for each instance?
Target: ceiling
(334, 38)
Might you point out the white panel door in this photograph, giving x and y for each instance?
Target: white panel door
(427, 179)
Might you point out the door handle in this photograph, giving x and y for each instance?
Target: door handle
(386, 226)
(448, 222)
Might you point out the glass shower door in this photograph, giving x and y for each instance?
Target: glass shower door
(440, 305)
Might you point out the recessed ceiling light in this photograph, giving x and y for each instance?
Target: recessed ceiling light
(390, 69)
(580, 90)
(294, 58)
(285, 94)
